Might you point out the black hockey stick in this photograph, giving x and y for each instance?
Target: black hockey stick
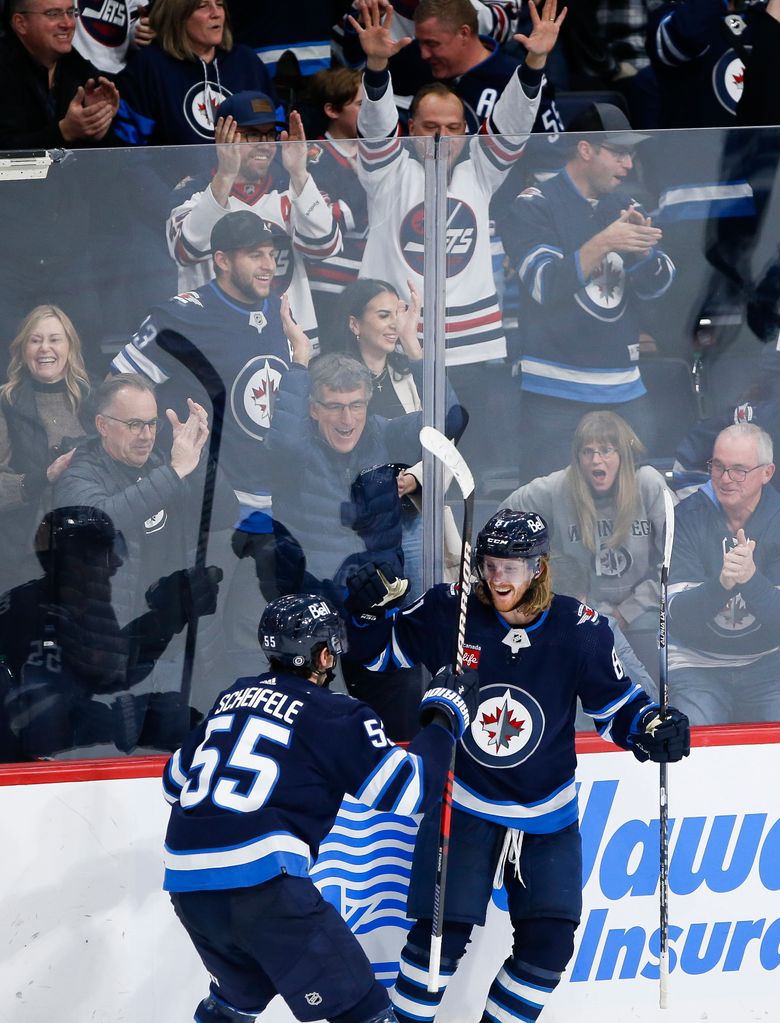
(443, 449)
(195, 361)
(663, 678)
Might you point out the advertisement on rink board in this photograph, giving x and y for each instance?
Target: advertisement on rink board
(88, 915)
(724, 876)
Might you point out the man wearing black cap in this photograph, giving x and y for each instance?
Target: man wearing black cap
(236, 323)
(245, 180)
(586, 255)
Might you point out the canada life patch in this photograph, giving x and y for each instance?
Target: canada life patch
(507, 727)
(471, 655)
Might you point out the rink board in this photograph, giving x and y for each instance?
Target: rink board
(90, 936)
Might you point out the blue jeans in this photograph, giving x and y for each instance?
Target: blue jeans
(728, 695)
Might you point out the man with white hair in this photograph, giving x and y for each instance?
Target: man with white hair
(724, 604)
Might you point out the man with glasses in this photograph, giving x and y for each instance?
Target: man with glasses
(154, 501)
(724, 602)
(245, 179)
(55, 98)
(588, 258)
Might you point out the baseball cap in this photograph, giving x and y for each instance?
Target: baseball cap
(240, 230)
(606, 118)
(247, 108)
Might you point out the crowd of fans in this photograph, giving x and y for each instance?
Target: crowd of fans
(214, 339)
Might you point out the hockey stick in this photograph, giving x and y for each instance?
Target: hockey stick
(195, 361)
(443, 449)
(663, 678)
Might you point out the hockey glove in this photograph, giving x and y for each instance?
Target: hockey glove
(184, 595)
(373, 585)
(664, 741)
(451, 699)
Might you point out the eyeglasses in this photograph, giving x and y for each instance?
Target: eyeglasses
(602, 452)
(252, 135)
(135, 426)
(734, 473)
(55, 13)
(621, 155)
(357, 408)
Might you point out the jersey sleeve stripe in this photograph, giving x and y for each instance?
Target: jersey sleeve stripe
(377, 783)
(131, 360)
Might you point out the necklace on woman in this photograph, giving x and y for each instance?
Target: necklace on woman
(379, 378)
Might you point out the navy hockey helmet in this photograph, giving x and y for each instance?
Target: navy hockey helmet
(513, 534)
(293, 626)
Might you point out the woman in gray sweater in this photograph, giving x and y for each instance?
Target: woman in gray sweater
(607, 511)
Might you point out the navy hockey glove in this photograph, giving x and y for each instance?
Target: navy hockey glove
(184, 595)
(373, 585)
(375, 507)
(453, 698)
(664, 741)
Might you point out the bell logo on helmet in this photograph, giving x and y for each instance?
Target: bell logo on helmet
(320, 610)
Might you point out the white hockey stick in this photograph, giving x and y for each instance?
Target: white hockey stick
(663, 678)
(443, 449)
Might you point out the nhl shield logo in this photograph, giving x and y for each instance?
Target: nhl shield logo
(200, 107)
(507, 727)
(253, 395)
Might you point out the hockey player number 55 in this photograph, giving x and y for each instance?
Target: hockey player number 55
(242, 757)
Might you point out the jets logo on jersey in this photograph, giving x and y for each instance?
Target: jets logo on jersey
(613, 561)
(586, 614)
(735, 617)
(506, 729)
(253, 395)
(200, 106)
(728, 79)
(602, 296)
(105, 21)
(461, 236)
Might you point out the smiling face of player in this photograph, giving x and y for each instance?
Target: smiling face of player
(205, 27)
(507, 580)
(340, 416)
(246, 274)
(46, 351)
(441, 115)
(599, 464)
(376, 329)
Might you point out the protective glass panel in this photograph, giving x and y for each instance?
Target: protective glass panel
(637, 287)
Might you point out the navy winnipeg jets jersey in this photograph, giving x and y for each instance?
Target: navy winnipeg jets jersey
(515, 765)
(257, 786)
(249, 350)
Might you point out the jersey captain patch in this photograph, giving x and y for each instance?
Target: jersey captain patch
(507, 727)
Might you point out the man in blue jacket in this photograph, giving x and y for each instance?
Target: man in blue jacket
(724, 604)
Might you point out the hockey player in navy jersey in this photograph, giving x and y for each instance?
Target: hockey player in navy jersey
(254, 791)
(514, 816)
